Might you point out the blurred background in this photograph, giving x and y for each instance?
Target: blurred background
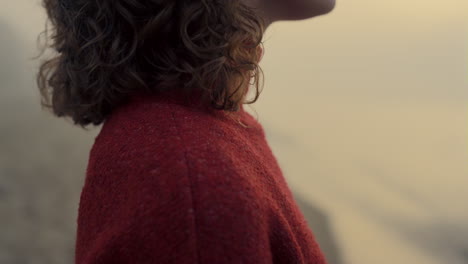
(365, 109)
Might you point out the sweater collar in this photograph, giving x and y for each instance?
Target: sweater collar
(178, 96)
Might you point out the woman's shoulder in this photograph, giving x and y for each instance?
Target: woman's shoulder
(157, 127)
(168, 142)
(150, 121)
(161, 170)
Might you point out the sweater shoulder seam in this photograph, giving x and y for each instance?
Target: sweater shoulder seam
(190, 180)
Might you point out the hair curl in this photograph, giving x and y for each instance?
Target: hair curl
(106, 49)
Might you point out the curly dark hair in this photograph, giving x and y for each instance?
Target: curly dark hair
(105, 50)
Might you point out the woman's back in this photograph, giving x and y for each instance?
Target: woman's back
(170, 182)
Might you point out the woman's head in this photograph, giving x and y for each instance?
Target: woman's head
(108, 49)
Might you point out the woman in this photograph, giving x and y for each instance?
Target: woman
(179, 172)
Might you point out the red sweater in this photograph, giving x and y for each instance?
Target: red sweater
(171, 182)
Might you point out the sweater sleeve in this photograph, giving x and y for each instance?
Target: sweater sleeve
(164, 213)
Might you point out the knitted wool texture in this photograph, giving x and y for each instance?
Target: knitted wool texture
(171, 182)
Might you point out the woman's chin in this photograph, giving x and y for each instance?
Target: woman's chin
(299, 9)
